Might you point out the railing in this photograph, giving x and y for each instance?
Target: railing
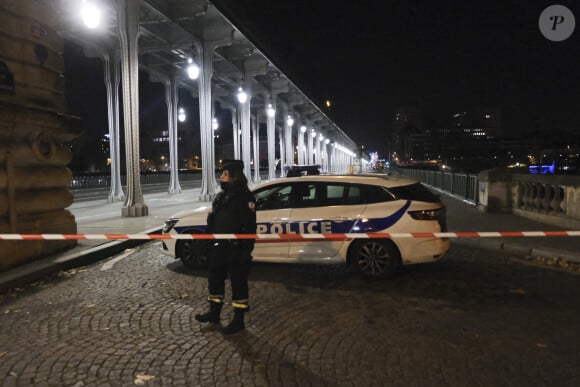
(96, 181)
(548, 199)
(93, 181)
(458, 184)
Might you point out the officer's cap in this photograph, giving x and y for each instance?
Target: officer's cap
(233, 165)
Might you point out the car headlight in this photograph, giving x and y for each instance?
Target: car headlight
(169, 224)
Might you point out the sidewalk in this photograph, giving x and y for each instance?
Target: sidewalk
(463, 216)
(100, 217)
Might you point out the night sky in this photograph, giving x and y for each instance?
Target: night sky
(369, 57)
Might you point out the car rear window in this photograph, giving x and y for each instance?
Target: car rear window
(377, 194)
(416, 192)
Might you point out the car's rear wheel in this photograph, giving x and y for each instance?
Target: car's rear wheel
(375, 258)
(192, 252)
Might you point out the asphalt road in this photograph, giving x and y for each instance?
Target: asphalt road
(472, 319)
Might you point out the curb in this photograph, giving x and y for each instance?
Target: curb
(519, 250)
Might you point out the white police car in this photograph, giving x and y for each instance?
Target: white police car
(332, 204)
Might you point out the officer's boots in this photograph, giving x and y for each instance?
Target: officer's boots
(211, 316)
(237, 323)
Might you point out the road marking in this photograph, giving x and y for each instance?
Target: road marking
(109, 264)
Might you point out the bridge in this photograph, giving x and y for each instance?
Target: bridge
(194, 45)
(198, 46)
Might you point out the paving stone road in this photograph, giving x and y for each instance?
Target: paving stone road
(473, 319)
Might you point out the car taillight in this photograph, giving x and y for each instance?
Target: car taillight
(438, 214)
(433, 214)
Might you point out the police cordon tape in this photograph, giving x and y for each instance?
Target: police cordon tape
(297, 237)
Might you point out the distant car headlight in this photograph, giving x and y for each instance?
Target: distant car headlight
(169, 224)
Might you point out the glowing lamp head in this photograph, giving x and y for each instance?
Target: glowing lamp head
(91, 15)
(242, 95)
(192, 69)
(181, 115)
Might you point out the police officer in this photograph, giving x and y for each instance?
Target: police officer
(233, 212)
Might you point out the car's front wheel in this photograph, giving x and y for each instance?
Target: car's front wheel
(192, 252)
(375, 258)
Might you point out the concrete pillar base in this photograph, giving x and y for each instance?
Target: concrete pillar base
(115, 198)
(135, 211)
(206, 197)
(174, 190)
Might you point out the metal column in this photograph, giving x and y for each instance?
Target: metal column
(288, 146)
(271, 137)
(256, 141)
(111, 66)
(172, 99)
(128, 33)
(310, 147)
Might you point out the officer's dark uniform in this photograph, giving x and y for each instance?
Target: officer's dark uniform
(233, 212)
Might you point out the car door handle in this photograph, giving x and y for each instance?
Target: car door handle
(341, 218)
(279, 220)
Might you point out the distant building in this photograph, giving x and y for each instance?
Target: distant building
(467, 140)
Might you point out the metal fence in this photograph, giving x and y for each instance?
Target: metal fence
(458, 184)
(91, 181)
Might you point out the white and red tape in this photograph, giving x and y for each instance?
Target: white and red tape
(345, 236)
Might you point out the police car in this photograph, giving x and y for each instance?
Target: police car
(332, 204)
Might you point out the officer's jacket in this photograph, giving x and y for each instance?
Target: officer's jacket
(234, 212)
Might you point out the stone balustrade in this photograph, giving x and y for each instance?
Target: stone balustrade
(549, 199)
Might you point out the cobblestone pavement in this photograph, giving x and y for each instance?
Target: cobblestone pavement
(473, 319)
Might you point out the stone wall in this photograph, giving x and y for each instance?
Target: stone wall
(33, 129)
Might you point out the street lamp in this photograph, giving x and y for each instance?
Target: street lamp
(270, 111)
(181, 115)
(290, 121)
(91, 14)
(192, 69)
(242, 95)
(214, 124)
(303, 129)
